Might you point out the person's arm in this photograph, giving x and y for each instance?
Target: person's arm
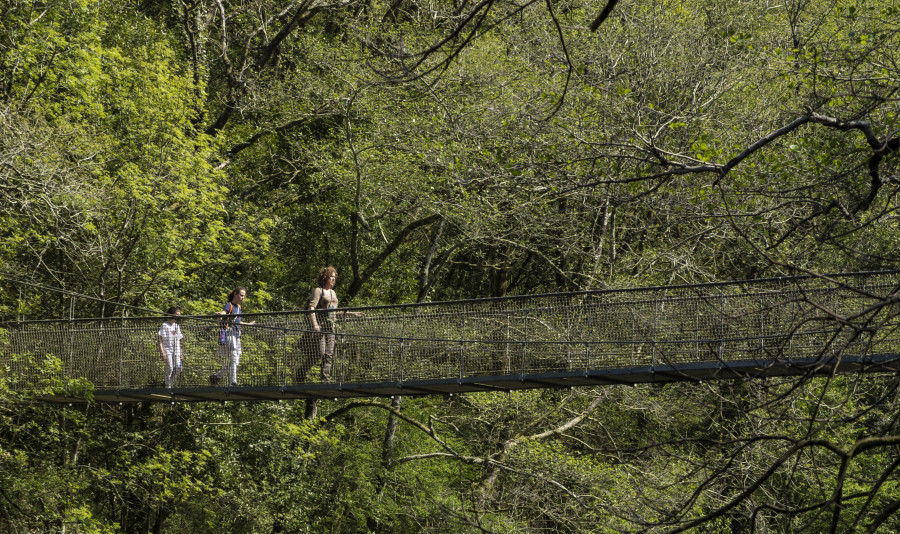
(224, 322)
(162, 350)
(179, 347)
(345, 313)
(241, 312)
(313, 302)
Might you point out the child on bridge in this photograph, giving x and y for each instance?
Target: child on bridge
(169, 341)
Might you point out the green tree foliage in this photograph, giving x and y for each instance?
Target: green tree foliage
(156, 153)
(110, 186)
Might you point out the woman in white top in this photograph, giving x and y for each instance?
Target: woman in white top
(169, 340)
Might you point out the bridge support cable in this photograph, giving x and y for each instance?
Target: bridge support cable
(740, 330)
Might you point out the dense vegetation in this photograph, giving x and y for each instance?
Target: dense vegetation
(158, 152)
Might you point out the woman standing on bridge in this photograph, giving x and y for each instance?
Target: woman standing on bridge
(323, 297)
(230, 347)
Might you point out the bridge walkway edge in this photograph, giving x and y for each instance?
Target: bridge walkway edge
(659, 374)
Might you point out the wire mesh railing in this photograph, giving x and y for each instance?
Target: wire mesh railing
(772, 321)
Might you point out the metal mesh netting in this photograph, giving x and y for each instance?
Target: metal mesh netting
(766, 321)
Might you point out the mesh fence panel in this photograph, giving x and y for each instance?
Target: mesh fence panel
(772, 321)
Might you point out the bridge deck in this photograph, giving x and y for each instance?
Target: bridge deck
(695, 372)
(748, 329)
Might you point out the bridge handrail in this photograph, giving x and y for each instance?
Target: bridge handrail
(766, 320)
(827, 278)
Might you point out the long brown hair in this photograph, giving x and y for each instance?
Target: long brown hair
(324, 274)
(235, 291)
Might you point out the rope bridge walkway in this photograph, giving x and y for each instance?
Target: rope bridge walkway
(737, 330)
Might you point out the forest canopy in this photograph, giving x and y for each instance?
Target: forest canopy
(156, 152)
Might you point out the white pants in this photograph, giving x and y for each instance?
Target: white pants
(173, 368)
(230, 353)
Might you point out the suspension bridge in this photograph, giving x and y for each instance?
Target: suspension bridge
(790, 326)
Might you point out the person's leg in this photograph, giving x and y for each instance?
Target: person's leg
(169, 367)
(327, 349)
(177, 364)
(223, 353)
(235, 359)
(307, 349)
(323, 353)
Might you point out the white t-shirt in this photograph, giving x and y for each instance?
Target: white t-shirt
(170, 335)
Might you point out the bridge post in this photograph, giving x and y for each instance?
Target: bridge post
(762, 330)
(587, 357)
(400, 357)
(635, 347)
(656, 311)
(284, 354)
(462, 359)
(506, 356)
(71, 351)
(722, 328)
(569, 326)
(524, 347)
